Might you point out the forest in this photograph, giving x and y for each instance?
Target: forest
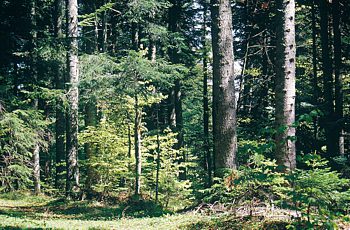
(175, 114)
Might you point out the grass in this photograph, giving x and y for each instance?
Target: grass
(23, 211)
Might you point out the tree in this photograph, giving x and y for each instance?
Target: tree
(224, 110)
(328, 84)
(72, 183)
(338, 93)
(36, 148)
(60, 123)
(285, 151)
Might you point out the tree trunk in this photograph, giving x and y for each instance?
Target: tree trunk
(224, 111)
(206, 146)
(285, 151)
(60, 122)
(315, 87)
(137, 143)
(104, 44)
(72, 183)
(175, 96)
(36, 169)
(328, 121)
(338, 77)
(34, 71)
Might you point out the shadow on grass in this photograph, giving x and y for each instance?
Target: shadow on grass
(84, 210)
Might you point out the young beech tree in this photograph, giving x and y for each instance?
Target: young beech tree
(224, 111)
(285, 84)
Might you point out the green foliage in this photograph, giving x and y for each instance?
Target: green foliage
(20, 131)
(110, 161)
(172, 192)
(318, 193)
(256, 182)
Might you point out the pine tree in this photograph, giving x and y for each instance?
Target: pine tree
(224, 111)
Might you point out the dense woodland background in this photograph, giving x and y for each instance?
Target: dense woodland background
(178, 102)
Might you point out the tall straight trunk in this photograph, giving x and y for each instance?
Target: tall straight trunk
(285, 151)
(138, 118)
(314, 71)
(224, 110)
(179, 128)
(175, 96)
(72, 183)
(60, 122)
(337, 73)
(34, 72)
(328, 123)
(206, 146)
(137, 143)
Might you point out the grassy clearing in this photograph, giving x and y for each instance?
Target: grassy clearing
(22, 211)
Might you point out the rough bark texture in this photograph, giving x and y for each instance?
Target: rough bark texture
(328, 108)
(60, 124)
(337, 73)
(72, 183)
(224, 111)
(285, 84)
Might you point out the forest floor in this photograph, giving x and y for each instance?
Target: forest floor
(23, 211)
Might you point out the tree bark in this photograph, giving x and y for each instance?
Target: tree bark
(60, 122)
(137, 143)
(285, 151)
(34, 71)
(175, 97)
(224, 111)
(208, 159)
(328, 85)
(339, 105)
(36, 169)
(315, 87)
(72, 183)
